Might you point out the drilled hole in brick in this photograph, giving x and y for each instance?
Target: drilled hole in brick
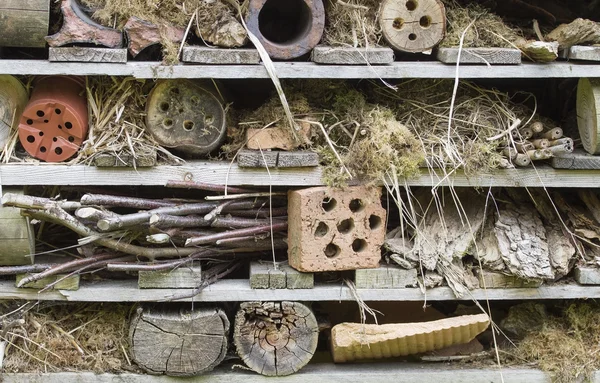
(332, 250)
(46, 121)
(329, 204)
(374, 222)
(346, 226)
(359, 245)
(322, 229)
(59, 126)
(356, 205)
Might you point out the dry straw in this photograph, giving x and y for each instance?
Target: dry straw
(352, 23)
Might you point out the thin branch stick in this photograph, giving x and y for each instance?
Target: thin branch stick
(259, 213)
(253, 243)
(118, 201)
(514, 126)
(32, 202)
(235, 233)
(216, 211)
(239, 223)
(241, 196)
(13, 270)
(205, 186)
(165, 221)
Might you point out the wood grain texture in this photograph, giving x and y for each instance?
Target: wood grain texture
(385, 277)
(277, 159)
(238, 290)
(178, 342)
(355, 341)
(180, 278)
(24, 23)
(576, 160)
(87, 54)
(583, 53)
(275, 338)
(203, 55)
(352, 56)
(588, 113)
(264, 276)
(17, 240)
(69, 283)
(494, 56)
(154, 70)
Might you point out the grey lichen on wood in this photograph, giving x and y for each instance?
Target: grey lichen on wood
(178, 342)
(204, 55)
(266, 276)
(68, 283)
(275, 338)
(494, 56)
(142, 160)
(88, 54)
(583, 53)
(352, 56)
(277, 159)
(586, 275)
(385, 277)
(577, 160)
(180, 278)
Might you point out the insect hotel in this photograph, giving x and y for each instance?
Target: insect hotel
(327, 190)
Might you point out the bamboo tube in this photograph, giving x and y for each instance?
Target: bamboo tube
(541, 143)
(553, 134)
(537, 127)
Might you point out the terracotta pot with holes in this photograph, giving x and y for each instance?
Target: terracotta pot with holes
(55, 121)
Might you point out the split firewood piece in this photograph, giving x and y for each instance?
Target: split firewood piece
(579, 32)
(78, 28)
(179, 342)
(275, 338)
(413, 26)
(355, 341)
(588, 114)
(142, 34)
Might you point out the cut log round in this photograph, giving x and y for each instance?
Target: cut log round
(17, 239)
(178, 342)
(187, 116)
(588, 113)
(24, 23)
(275, 338)
(13, 98)
(413, 25)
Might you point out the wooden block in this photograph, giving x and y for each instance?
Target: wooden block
(355, 341)
(180, 278)
(585, 275)
(501, 281)
(352, 56)
(576, 160)
(494, 56)
(70, 283)
(276, 159)
(88, 54)
(264, 276)
(583, 53)
(125, 160)
(204, 55)
(385, 277)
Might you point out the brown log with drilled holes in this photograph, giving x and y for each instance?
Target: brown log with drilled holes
(275, 338)
(78, 28)
(412, 26)
(187, 116)
(178, 342)
(24, 23)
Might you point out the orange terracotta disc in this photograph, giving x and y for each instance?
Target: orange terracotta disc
(55, 122)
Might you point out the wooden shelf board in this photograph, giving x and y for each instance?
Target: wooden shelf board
(238, 290)
(322, 372)
(220, 172)
(426, 69)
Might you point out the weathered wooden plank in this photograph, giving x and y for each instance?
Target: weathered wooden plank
(265, 276)
(180, 278)
(125, 160)
(491, 280)
(352, 56)
(585, 275)
(69, 283)
(583, 53)
(494, 56)
(24, 23)
(204, 55)
(385, 277)
(87, 54)
(155, 70)
(576, 160)
(277, 159)
(17, 240)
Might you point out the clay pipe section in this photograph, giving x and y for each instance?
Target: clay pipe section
(55, 121)
(286, 28)
(78, 28)
(187, 116)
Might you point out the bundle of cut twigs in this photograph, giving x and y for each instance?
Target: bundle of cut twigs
(160, 234)
(535, 143)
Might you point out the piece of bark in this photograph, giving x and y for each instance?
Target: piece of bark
(522, 242)
(561, 250)
(352, 56)
(277, 138)
(487, 250)
(275, 338)
(539, 51)
(579, 32)
(432, 279)
(583, 223)
(78, 28)
(179, 342)
(483, 56)
(355, 341)
(385, 277)
(218, 56)
(179, 278)
(142, 34)
(592, 201)
(87, 54)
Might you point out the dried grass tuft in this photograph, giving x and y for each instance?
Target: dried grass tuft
(352, 23)
(74, 337)
(488, 29)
